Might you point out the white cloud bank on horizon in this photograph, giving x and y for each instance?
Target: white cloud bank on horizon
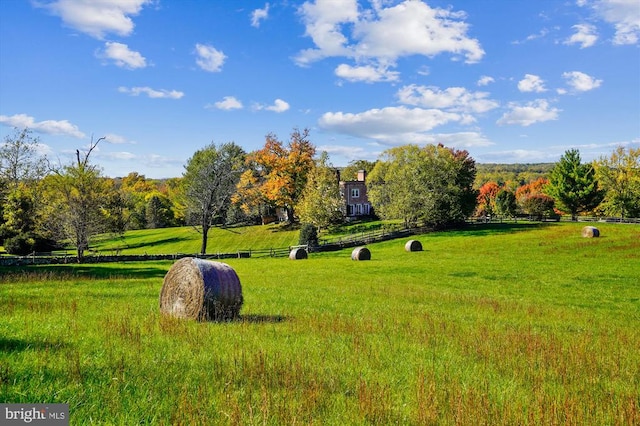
(51, 127)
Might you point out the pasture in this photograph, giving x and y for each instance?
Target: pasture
(502, 324)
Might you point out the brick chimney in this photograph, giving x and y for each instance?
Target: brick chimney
(361, 175)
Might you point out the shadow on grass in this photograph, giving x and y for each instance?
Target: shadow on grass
(484, 229)
(252, 319)
(147, 244)
(19, 345)
(79, 271)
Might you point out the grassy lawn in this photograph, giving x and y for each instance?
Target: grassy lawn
(188, 240)
(512, 324)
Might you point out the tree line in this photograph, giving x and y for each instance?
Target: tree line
(45, 206)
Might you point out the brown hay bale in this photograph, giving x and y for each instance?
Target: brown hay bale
(413, 245)
(590, 232)
(360, 253)
(202, 290)
(298, 253)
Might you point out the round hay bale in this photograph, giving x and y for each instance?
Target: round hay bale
(413, 245)
(298, 253)
(590, 232)
(202, 290)
(360, 253)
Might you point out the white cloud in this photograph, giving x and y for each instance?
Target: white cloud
(259, 15)
(116, 139)
(367, 74)
(414, 28)
(323, 20)
(586, 35)
(519, 156)
(531, 83)
(485, 80)
(278, 106)
(99, 17)
(209, 58)
(351, 152)
(581, 82)
(391, 125)
(123, 56)
(152, 93)
(624, 15)
(383, 34)
(52, 127)
(533, 112)
(455, 99)
(461, 139)
(228, 103)
(543, 33)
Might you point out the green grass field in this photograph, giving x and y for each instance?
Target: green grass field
(188, 240)
(498, 325)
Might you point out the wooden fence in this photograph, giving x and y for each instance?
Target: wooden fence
(384, 233)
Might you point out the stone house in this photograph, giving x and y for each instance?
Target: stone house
(354, 195)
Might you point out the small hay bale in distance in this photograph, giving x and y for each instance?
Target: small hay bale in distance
(360, 253)
(202, 290)
(298, 253)
(413, 245)
(590, 232)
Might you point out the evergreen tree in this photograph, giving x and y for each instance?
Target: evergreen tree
(574, 185)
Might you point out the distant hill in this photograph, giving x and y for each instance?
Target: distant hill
(514, 174)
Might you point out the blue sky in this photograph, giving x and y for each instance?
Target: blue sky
(511, 81)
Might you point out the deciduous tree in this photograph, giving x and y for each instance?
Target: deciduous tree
(321, 201)
(619, 176)
(75, 198)
(433, 184)
(487, 199)
(210, 178)
(20, 160)
(506, 203)
(279, 173)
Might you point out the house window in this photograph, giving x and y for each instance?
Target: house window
(355, 192)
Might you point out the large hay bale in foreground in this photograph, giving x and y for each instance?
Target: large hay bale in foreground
(360, 253)
(590, 232)
(413, 245)
(202, 290)
(298, 253)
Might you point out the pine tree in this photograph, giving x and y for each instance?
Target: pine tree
(574, 185)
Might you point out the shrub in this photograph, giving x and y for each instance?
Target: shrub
(539, 206)
(20, 244)
(308, 235)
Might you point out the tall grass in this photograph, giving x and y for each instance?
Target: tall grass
(502, 325)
